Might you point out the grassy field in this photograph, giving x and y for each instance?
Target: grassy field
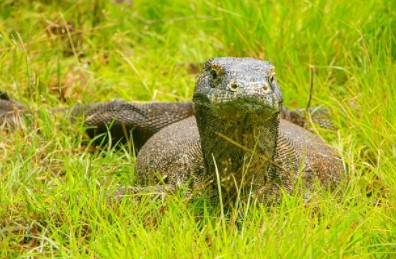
(52, 187)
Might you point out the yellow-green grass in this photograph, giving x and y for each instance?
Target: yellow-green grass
(52, 187)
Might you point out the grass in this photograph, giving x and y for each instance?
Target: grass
(52, 187)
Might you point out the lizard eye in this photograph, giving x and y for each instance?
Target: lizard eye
(213, 74)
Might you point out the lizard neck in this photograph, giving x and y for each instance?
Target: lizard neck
(241, 151)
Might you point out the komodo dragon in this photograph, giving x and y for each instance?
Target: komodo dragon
(236, 138)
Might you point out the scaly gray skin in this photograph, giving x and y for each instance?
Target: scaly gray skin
(122, 118)
(238, 134)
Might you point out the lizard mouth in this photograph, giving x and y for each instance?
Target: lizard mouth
(255, 109)
(237, 111)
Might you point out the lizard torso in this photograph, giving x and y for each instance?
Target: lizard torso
(237, 134)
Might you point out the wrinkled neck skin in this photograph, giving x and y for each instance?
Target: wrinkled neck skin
(243, 157)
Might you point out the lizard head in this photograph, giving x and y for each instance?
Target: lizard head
(238, 87)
